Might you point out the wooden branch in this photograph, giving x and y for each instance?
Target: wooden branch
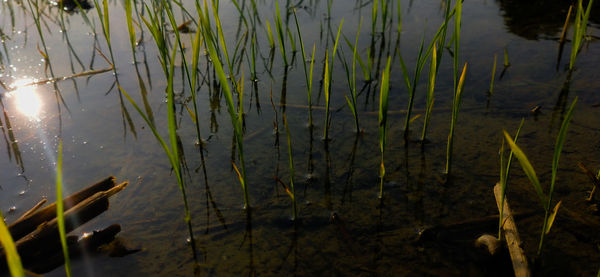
(42, 242)
(26, 225)
(46, 236)
(517, 255)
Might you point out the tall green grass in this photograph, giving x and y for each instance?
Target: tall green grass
(545, 199)
(581, 20)
(383, 121)
(60, 210)
(458, 84)
(13, 259)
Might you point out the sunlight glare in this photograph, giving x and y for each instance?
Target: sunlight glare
(26, 98)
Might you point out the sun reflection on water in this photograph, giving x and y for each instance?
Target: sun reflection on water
(26, 98)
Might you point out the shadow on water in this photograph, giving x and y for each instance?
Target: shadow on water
(539, 19)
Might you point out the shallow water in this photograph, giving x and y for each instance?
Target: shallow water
(342, 227)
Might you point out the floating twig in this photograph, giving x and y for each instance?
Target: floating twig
(57, 79)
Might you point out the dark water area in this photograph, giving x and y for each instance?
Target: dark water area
(342, 228)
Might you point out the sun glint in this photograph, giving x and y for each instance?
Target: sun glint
(26, 98)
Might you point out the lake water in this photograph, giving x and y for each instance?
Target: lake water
(342, 226)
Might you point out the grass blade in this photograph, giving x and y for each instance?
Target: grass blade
(12, 257)
(60, 210)
(527, 167)
(560, 140)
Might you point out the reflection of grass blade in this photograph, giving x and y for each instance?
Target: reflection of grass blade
(60, 210)
(12, 257)
(383, 107)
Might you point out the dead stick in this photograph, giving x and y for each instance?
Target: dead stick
(32, 210)
(45, 237)
(24, 226)
(517, 255)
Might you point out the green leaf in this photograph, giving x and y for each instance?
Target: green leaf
(60, 210)
(560, 140)
(527, 168)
